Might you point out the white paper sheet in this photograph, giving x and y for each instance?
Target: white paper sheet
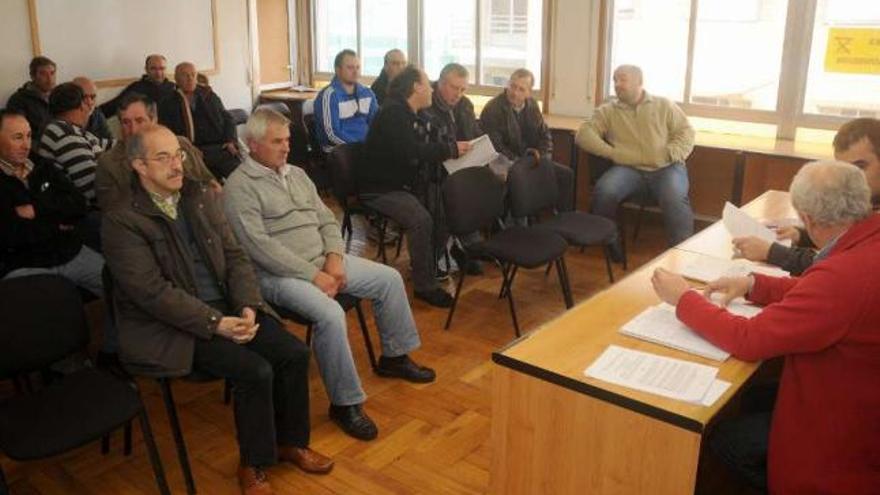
(716, 390)
(668, 377)
(707, 269)
(481, 153)
(740, 224)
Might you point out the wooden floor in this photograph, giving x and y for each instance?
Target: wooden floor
(433, 438)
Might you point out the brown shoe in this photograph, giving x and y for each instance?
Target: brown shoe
(253, 481)
(307, 459)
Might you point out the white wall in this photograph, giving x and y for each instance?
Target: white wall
(232, 83)
(574, 54)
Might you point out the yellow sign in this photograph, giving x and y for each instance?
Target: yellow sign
(853, 50)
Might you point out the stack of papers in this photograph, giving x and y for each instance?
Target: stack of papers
(707, 269)
(481, 153)
(739, 224)
(667, 377)
(658, 324)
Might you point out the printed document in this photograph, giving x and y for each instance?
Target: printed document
(481, 153)
(708, 268)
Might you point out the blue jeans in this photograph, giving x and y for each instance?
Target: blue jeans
(84, 270)
(668, 185)
(380, 284)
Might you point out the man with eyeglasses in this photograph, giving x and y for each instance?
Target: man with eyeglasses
(114, 176)
(32, 99)
(394, 62)
(154, 84)
(856, 142)
(345, 108)
(187, 298)
(97, 123)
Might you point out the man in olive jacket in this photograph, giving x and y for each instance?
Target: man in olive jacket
(186, 297)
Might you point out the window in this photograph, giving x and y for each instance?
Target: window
(783, 63)
(492, 38)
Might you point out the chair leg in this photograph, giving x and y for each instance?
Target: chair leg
(153, 453)
(638, 222)
(382, 226)
(362, 321)
(227, 391)
(549, 266)
(400, 245)
(4, 489)
(509, 294)
(607, 250)
(105, 444)
(179, 442)
(126, 439)
(309, 330)
(505, 268)
(562, 272)
(461, 275)
(506, 286)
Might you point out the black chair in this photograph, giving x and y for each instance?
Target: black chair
(473, 199)
(239, 116)
(74, 409)
(316, 158)
(347, 301)
(533, 191)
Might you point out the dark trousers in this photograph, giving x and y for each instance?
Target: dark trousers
(270, 384)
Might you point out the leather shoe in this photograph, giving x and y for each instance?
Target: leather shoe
(253, 481)
(406, 368)
(354, 421)
(306, 459)
(470, 266)
(435, 297)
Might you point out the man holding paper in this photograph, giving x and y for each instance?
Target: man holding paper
(856, 142)
(824, 433)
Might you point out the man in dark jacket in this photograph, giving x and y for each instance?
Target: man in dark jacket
(187, 298)
(197, 113)
(400, 172)
(152, 84)
(32, 99)
(97, 123)
(514, 122)
(450, 108)
(394, 62)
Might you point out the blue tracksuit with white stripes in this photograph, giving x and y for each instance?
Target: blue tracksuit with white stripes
(341, 117)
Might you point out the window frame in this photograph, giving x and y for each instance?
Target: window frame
(416, 54)
(794, 67)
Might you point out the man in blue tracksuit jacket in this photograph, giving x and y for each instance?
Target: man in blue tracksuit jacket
(345, 108)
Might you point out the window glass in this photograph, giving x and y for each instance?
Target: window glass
(450, 35)
(511, 39)
(383, 27)
(336, 21)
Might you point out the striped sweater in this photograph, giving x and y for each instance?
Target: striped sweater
(74, 151)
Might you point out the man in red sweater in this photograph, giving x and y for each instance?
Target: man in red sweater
(825, 431)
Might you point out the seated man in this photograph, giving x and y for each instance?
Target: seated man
(40, 210)
(394, 62)
(295, 241)
(97, 123)
(32, 99)
(113, 176)
(345, 108)
(186, 298)
(198, 114)
(824, 428)
(153, 84)
(400, 173)
(648, 138)
(67, 144)
(856, 142)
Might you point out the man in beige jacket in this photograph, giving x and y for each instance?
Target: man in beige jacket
(648, 138)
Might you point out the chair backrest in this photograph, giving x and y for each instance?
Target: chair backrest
(311, 131)
(43, 322)
(341, 161)
(532, 187)
(472, 198)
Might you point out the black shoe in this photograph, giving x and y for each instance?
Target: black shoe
(354, 421)
(406, 368)
(470, 266)
(435, 297)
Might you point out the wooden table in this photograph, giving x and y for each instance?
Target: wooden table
(556, 431)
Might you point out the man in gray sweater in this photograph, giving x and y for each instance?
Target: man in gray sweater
(295, 242)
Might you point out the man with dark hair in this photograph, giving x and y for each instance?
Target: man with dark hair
(400, 174)
(97, 123)
(345, 108)
(32, 99)
(514, 122)
(187, 298)
(152, 84)
(856, 142)
(394, 62)
(197, 113)
(114, 176)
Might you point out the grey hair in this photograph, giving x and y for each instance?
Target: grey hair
(259, 121)
(831, 193)
(633, 70)
(453, 68)
(520, 73)
(136, 146)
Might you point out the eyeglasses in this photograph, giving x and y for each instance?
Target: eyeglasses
(90, 96)
(167, 159)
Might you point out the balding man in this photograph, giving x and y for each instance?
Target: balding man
(648, 138)
(97, 123)
(187, 298)
(153, 84)
(823, 436)
(197, 113)
(394, 62)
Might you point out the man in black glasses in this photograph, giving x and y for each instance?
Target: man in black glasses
(345, 108)
(97, 123)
